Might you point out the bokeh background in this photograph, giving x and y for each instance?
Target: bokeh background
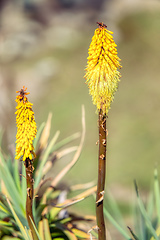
(44, 46)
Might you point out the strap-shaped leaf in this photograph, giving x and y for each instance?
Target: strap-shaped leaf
(21, 227)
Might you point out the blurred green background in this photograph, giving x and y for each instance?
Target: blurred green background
(44, 46)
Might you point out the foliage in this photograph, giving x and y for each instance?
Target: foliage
(50, 206)
(146, 215)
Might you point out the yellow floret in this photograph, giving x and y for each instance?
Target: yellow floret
(102, 75)
(26, 128)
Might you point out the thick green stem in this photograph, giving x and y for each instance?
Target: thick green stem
(101, 176)
(30, 182)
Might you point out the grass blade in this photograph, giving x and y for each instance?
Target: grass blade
(144, 214)
(11, 188)
(117, 226)
(35, 229)
(21, 227)
(17, 175)
(157, 194)
(135, 237)
(23, 183)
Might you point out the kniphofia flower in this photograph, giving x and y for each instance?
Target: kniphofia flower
(102, 75)
(26, 126)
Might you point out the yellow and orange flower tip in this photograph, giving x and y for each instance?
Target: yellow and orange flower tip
(26, 126)
(102, 75)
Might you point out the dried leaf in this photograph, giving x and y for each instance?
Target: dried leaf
(82, 186)
(78, 198)
(74, 160)
(46, 132)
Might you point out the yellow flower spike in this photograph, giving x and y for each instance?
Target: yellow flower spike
(102, 75)
(26, 126)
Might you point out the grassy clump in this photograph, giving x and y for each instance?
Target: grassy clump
(50, 203)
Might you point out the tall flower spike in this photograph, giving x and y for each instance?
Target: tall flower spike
(26, 126)
(102, 75)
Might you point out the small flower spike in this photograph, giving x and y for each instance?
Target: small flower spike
(26, 126)
(102, 75)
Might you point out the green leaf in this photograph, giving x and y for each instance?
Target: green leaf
(10, 238)
(17, 175)
(47, 234)
(4, 223)
(135, 237)
(41, 230)
(80, 234)
(38, 212)
(145, 215)
(157, 194)
(21, 227)
(35, 229)
(70, 235)
(150, 205)
(117, 226)
(67, 232)
(12, 190)
(3, 208)
(114, 208)
(23, 183)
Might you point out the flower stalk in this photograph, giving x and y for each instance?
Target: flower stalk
(26, 132)
(30, 190)
(102, 78)
(101, 175)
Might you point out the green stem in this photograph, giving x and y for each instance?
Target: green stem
(101, 176)
(29, 178)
